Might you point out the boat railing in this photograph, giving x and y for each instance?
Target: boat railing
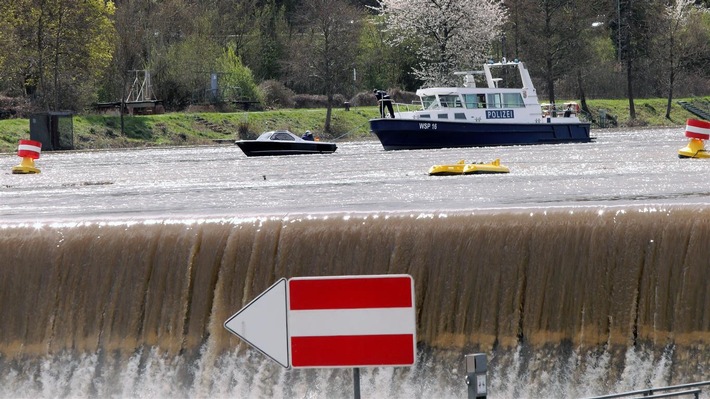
(405, 107)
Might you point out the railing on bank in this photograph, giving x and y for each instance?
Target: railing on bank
(660, 392)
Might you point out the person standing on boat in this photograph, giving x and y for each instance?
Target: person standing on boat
(568, 111)
(384, 100)
(307, 136)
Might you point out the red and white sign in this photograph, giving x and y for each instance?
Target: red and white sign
(340, 321)
(352, 321)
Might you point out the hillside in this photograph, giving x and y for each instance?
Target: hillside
(104, 131)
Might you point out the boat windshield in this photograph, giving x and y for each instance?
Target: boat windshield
(429, 102)
(282, 136)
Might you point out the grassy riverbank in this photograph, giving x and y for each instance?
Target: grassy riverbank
(104, 131)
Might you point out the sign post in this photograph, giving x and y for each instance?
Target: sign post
(333, 321)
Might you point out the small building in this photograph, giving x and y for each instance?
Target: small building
(55, 130)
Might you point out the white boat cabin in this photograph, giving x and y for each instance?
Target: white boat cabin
(487, 104)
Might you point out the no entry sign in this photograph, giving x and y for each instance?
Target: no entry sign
(335, 321)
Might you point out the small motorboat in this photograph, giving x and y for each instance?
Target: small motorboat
(283, 142)
(462, 168)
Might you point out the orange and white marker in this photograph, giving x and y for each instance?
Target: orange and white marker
(697, 131)
(29, 150)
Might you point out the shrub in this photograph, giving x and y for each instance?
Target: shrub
(276, 94)
(404, 97)
(310, 101)
(318, 101)
(363, 98)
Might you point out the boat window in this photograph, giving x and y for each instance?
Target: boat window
(443, 116)
(481, 100)
(494, 101)
(282, 136)
(513, 100)
(429, 102)
(425, 116)
(470, 100)
(450, 101)
(459, 115)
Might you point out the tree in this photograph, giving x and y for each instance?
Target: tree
(11, 66)
(183, 72)
(63, 48)
(553, 38)
(451, 35)
(271, 29)
(236, 76)
(324, 49)
(380, 65)
(636, 19)
(681, 41)
(129, 20)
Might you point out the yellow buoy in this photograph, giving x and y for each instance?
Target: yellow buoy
(447, 170)
(479, 168)
(697, 131)
(462, 168)
(29, 150)
(694, 149)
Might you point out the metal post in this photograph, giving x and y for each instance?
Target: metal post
(476, 380)
(356, 383)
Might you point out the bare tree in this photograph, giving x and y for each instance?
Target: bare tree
(553, 38)
(324, 49)
(680, 42)
(635, 26)
(451, 34)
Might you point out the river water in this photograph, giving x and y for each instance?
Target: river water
(621, 167)
(581, 272)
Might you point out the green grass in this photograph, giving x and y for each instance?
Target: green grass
(101, 131)
(649, 112)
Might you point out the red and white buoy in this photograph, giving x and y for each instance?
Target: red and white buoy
(697, 131)
(29, 150)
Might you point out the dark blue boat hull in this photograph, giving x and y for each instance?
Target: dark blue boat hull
(403, 134)
(266, 148)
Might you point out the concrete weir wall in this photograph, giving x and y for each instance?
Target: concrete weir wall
(528, 287)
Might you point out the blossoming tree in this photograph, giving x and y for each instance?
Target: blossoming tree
(450, 35)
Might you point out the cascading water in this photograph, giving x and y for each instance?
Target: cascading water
(566, 303)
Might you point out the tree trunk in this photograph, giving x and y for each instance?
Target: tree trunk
(582, 96)
(57, 44)
(328, 113)
(40, 55)
(629, 85)
(670, 94)
(671, 74)
(550, 82)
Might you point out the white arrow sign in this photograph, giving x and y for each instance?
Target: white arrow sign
(333, 321)
(262, 323)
